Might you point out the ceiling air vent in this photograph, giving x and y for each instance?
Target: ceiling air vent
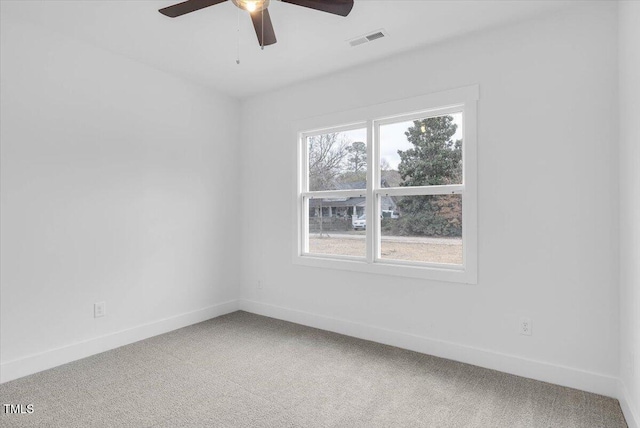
(375, 35)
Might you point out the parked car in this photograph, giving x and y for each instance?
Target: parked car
(360, 222)
(390, 214)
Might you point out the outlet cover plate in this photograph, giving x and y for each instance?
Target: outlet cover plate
(99, 309)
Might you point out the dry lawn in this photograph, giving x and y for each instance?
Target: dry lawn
(434, 250)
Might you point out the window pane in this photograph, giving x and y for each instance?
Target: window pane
(338, 160)
(422, 229)
(423, 152)
(331, 226)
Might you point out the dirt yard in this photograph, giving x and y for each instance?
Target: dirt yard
(419, 249)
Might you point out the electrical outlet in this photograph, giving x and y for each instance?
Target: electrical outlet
(259, 285)
(99, 309)
(525, 326)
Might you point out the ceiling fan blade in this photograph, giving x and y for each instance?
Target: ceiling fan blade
(258, 18)
(337, 7)
(187, 7)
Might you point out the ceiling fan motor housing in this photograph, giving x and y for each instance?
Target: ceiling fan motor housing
(252, 5)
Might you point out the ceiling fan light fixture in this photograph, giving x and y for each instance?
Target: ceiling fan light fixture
(259, 12)
(252, 6)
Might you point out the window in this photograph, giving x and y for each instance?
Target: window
(393, 191)
(336, 178)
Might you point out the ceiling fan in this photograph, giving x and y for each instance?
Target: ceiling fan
(258, 11)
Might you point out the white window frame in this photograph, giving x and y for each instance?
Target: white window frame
(462, 100)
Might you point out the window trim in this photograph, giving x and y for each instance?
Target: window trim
(372, 117)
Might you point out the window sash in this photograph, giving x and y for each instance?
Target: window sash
(377, 232)
(455, 189)
(304, 149)
(373, 232)
(305, 235)
(328, 194)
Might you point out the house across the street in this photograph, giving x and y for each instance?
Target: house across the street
(347, 207)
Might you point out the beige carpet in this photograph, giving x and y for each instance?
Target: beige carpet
(244, 370)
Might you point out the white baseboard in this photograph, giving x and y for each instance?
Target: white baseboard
(630, 412)
(560, 375)
(75, 351)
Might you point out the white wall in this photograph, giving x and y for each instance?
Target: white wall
(630, 207)
(118, 185)
(547, 204)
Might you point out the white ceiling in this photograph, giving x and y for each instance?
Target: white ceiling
(202, 46)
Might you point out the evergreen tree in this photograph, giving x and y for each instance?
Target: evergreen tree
(435, 159)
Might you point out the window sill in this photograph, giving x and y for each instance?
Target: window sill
(445, 273)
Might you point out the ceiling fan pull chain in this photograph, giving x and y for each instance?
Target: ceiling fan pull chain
(238, 32)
